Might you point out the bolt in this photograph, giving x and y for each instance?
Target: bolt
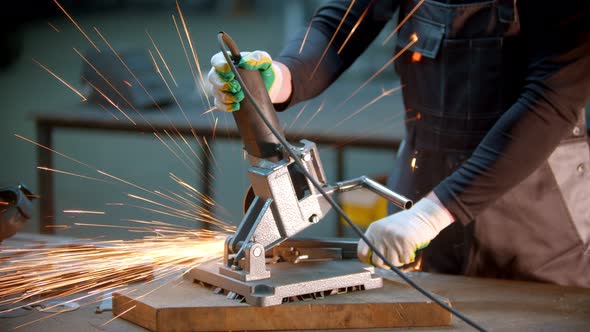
(313, 219)
(577, 131)
(581, 168)
(257, 252)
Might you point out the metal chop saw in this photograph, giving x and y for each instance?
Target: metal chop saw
(262, 263)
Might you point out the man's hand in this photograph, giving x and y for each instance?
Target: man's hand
(226, 89)
(400, 235)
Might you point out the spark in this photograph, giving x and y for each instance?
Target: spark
(332, 39)
(403, 21)
(298, 115)
(4, 203)
(119, 315)
(162, 58)
(72, 174)
(77, 26)
(194, 54)
(108, 111)
(376, 99)
(53, 27)
(49, 149)
(413, 163)
(413, 40)
(109, 100)
(188, 60)
(61, 80)
(215, 126)
(358, 22)
(169, 89)
(181, 150)
(83, 212)
(127, 83)
(314, 115)
(307, 31)
(172, 151)
(109, 83)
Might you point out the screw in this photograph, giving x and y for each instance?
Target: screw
(313, 219)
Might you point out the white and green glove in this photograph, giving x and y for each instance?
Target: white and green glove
(226, 89)
(401, 234)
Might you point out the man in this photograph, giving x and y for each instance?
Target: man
(499, 157)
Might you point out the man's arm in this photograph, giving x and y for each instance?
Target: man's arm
(310, 79)
(557, 86)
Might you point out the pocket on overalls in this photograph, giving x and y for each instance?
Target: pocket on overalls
(570, 164)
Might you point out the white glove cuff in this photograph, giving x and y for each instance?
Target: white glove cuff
(432, 213)
(280, 91)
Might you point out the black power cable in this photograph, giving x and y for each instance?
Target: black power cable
(224, 40)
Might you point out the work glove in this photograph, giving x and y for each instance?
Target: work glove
(400, 235)
(228, 92)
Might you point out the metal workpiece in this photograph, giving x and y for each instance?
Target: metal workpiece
(379, 189)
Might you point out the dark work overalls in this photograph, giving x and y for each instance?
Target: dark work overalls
(468, 73)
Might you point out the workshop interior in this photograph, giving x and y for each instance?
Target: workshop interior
(129, 203)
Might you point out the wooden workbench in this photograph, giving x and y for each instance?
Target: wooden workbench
(495, 304)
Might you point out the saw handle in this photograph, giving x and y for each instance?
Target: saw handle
(258, 139)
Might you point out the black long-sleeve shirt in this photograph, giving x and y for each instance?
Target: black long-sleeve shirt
(557, 86)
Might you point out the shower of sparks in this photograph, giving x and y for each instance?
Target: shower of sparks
(61, 80)
(307, 31)
(83, 212)
(30, 276)
(413, 40)
(358, 22)
(72, 174)
(376, 99)
(162, 58)
(109, 100)
(77, 25)
(53, 27)
(193, 52)
(403, 21)
(332, 39)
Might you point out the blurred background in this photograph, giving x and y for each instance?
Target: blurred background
(45, 39)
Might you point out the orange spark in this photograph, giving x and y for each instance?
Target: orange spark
(376, 99)
(72, 174)
(194, 54)
(119, 315)
(53, 27)
(169, 89)
(162, 58)
(413, 40)
(358, 22)
(109, 100)
(307, 31)
(298, 115)
(127, 83)
(403, 21)
(413, 163)
(314, 115)
(215, 126)
(332, 39)
(60, 79)
(83, 212)
(76, 24)
(54, 151)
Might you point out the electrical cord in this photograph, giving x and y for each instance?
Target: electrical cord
(227, 41)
